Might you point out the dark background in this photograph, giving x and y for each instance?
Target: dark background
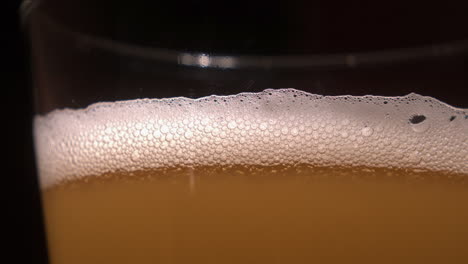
(420, 22)
(23, 232)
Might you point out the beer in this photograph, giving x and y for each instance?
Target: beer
(280, 176)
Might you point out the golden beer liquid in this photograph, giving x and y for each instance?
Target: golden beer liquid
(277, 214)
(280, 176)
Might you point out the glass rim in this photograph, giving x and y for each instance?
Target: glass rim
(258, 62)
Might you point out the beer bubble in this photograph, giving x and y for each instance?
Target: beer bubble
(164, 129)
(263, 126)
(232, 124)
(273, 127)
(367, 131)
(189, 134)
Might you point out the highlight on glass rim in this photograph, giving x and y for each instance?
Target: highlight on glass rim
(279, 176)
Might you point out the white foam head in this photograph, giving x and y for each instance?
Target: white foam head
(283, 126)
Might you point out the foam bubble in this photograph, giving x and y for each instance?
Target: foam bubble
(272, 127)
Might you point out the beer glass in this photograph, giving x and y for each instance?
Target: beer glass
(197, 133)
